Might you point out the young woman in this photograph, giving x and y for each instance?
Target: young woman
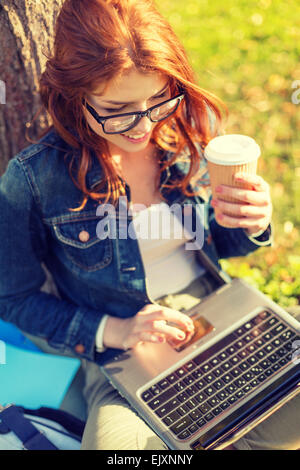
(129, 121)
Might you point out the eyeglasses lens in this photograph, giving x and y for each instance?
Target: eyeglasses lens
(124, 123)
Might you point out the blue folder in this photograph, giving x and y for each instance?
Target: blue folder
(29, 377)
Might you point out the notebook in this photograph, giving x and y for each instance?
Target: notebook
(240, 366)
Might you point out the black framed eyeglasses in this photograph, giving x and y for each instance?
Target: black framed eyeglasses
(119, 123)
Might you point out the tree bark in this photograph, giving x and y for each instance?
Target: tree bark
(26, 34)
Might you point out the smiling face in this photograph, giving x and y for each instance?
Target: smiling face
(133, 91)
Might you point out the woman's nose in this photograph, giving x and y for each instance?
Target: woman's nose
(144, 125)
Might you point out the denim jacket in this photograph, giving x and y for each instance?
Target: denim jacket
(94, 276)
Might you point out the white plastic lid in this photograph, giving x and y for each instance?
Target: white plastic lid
(232, 149)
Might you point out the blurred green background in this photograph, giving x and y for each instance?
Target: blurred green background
(247, 53)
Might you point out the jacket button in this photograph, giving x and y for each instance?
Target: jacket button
(84, 236)
(79, 348)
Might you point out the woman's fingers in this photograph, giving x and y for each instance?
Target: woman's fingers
(247, 196)
(252, 210)
(257, 194)
(155, 312)
(259, 184)
(161, 326)
(239, 210)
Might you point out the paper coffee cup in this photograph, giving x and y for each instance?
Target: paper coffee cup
(227, 155)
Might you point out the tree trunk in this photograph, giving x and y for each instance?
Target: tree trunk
(26, 33)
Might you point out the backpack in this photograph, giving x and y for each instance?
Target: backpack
(40, 429)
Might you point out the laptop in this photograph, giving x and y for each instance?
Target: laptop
(240, 366)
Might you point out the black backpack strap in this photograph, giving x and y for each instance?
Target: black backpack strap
(29, 435)
(71, 423)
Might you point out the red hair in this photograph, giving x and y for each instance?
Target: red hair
(95, 42)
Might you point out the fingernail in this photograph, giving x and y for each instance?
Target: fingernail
(219, 189)
(181, 336)
(214, 203)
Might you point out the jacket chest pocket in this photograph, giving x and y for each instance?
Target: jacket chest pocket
(81, 244)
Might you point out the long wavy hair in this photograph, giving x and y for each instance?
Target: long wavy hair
(95, 42)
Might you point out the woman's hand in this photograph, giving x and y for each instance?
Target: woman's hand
(254, 212)
(152, 323)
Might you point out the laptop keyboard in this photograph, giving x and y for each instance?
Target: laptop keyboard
(221, 376)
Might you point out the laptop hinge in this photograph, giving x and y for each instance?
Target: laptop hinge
(218, 274)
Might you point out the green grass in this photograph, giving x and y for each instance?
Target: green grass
(247, 53)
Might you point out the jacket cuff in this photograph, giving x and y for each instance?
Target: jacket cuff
(81, 333)
(264, 238)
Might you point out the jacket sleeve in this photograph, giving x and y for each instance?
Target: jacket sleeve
(66, 326)
(233, 242)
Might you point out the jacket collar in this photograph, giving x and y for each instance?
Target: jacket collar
(95, 174)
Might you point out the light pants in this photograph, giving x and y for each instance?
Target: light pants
(114, 425)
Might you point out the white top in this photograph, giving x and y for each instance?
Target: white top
(169, 267)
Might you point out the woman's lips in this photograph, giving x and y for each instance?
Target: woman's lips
(136, 141)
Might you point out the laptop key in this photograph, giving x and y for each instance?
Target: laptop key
(218, 384)
(192, 390)
(289, 334)
(209, 378)
(224, 405)
(239, 394)
(190, 366)
(217, 372)
(171, 418)
(147, 395)
(188, 380)
(184, 435)
(193, 428)
(181, 372)
(227, 378)
(216, 411)
(197, 374)
(201, 422)
(222, 395)
(195, 414)
(214, 401)
(163, 397)
(163, 384)
(181, 425)
(204, 408)
(183, 410)
(180, 386)
(269, 348)
(278, 329)
(231, 388)
(172, 378)
(182, 397)
(209, 416)
(256, 370)
(192, 403)
(200, 397)
(155, 389)
(167, 407)
(232, 399)
(209, 391)
(235, 372)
